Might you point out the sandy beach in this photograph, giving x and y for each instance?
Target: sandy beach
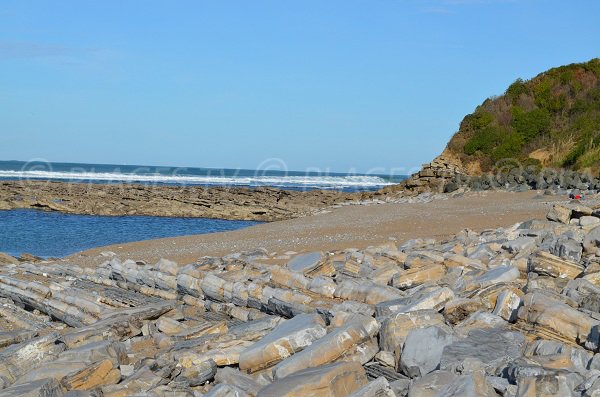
(350, 226)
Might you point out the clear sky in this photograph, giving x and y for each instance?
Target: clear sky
(331, 84)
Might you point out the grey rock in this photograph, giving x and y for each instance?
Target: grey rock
(570, 249)
(286, 339)
(591, 242)
(305, 263)
(521, 244)
(40, 388)
(423, 349)
(380, 387)
(494, 347)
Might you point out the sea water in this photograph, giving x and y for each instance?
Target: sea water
(49, 234)
(53, 234)
(112, 173)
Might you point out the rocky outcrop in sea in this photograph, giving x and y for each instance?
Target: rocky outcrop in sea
(259, 204)
(505, 312)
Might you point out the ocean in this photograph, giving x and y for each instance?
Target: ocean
(53, 234)
(112, 173)
(49, 234)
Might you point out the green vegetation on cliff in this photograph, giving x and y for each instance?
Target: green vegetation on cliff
(551, 120)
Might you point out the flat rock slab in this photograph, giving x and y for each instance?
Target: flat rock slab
(286, 339)
(492, 347)
(40, 388)
(330, 347)
(305, 263)
(423, 349)
(332, 380)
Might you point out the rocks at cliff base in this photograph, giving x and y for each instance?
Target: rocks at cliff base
(504, 312)
(446, 174)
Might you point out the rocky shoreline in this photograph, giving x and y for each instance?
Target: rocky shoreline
(446, 175)
(260, 204)
(506, 312)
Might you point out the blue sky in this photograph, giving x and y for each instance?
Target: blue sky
(341, 85)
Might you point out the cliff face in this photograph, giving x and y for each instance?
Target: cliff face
(552, 120)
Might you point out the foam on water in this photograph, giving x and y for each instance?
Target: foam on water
(301, 181)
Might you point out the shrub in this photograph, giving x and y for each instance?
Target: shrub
(515, 90)
(531, 124)
(511, 147)
(484, 140)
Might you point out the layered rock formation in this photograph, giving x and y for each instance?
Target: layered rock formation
(507, 312)
(261, 204)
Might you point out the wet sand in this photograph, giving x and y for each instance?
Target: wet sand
(350, 226)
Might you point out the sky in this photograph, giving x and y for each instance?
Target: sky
(336, 85)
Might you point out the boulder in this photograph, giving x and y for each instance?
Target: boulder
(507, 305)
(380, 387)
(591, 241)
(547, 264)
(223, 390)
(423, 349)
(419, 275)
(500, 274)
(48, 387)
(99, 374)
(233, 377)
(305, 263)
(434, 299)
(447, 384)
(560, 319)
(366, 291)
(493, 348)
(332, 380)
(340, 341)
(395, 328)
(286, 339)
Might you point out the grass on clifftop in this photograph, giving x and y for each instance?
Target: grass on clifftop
(550, 120)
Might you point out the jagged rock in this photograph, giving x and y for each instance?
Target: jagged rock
(6, 259)
(544, 386)
(559, 213)
(98, 374)
(380, 387)
(224, 390)
(305, 263)
(170, 326)
(459, 309)
(417, 276)
(96, 351)
(588, 220)
(286, 339)
(366, 291)
(551, 265)
(591, 241)
(240, 380)
(423, 349)
(492, 347)
(447, 384)
(434, 299)
(331, 380)
(198, 374)
(564, 212)
(142, 381)
(560, 319)
(500, 274)
(507, 305)
(39, 388)
(329, 348)
(119, 325)
(521, 244)
(17, 360)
